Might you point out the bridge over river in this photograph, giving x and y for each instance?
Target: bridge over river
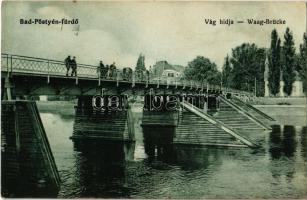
(196, 113)
(25, 75)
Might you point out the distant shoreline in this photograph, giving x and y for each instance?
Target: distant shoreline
(46, 106)
(285, 114)
(279, 101)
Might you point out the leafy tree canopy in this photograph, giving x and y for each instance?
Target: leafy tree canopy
(274, 63)
(247, 64)
(288, 60)
(202, 69)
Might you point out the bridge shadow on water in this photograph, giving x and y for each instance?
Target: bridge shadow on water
(101, 168)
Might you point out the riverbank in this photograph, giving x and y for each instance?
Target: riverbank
(287, 111)
(278, 101)
(286, 114)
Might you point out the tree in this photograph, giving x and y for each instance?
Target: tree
(302, 60)
(247, 66)
(226, 73)
(260, 57)
(140, 64)
(288, 67)
(274, 63)
(202, 69)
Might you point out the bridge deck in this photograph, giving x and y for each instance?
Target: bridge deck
(12, 65)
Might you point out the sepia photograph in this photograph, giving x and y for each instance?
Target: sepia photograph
(154, 99)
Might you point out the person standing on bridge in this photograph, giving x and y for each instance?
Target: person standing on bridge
(100, 69)
(67, 62)
(74, 66)
(113, 70)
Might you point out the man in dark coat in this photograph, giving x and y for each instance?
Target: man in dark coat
(100, 69)
(113, 70)
(67, 62)
(74, 66)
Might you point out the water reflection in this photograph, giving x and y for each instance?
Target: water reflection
(304, 143)
(289, 143)
(283, 145)
(101, 167)
(158, 143)
(108, 169)
(275, 142)
(193, 158)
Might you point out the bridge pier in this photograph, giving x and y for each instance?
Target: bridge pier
(106, 117)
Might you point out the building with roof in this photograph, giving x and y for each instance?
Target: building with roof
(166, 72)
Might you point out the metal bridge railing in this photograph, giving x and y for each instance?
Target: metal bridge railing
(25, 64)
(32, 65)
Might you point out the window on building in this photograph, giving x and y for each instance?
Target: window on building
(170, 74)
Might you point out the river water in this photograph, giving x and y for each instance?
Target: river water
(139, 170)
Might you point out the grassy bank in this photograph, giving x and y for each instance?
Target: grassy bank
(278, 101)
(286, 114)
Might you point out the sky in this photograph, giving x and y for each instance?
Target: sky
(119, 31)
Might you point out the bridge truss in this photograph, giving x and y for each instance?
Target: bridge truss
(17, 64)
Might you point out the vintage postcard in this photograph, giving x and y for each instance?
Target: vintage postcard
(154, 99)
